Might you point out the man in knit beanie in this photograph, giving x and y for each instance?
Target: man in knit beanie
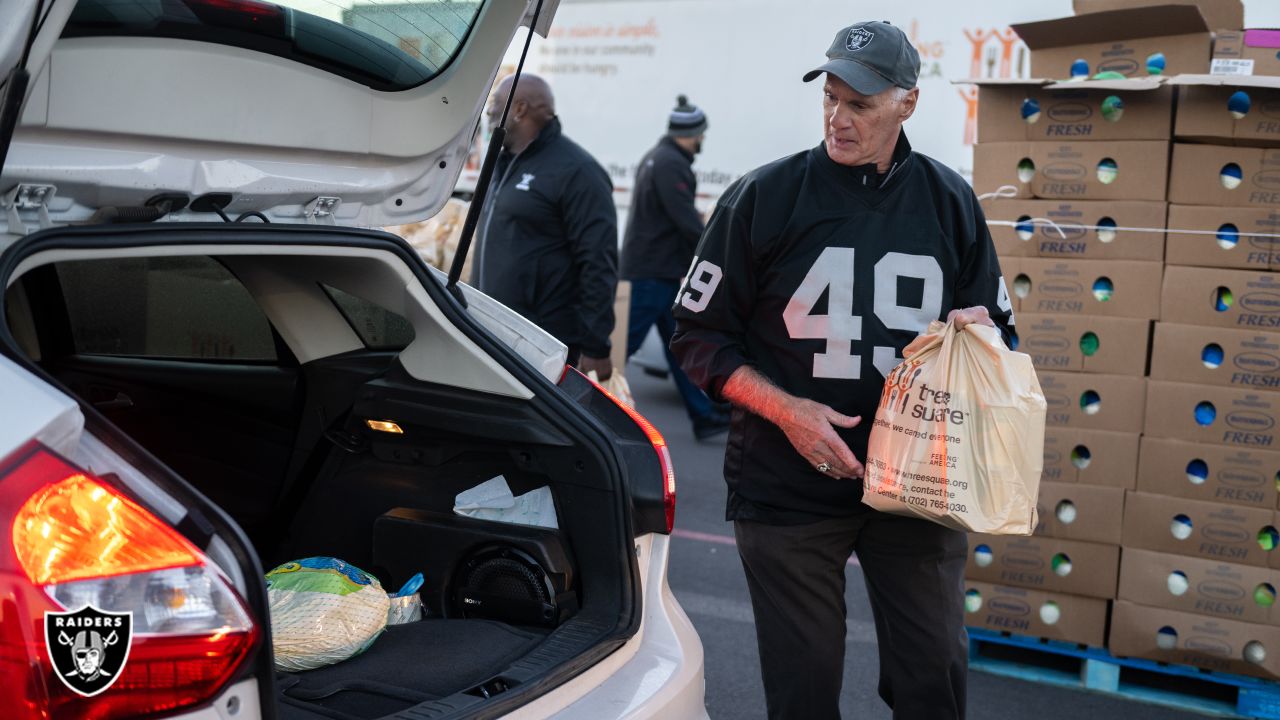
(662, 230)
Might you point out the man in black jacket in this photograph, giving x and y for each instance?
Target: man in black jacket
(547, 245)
(814, 274)
(663, 228)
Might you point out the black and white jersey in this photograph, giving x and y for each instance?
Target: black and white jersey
(818, 274)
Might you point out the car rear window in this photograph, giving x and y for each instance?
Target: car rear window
(386, 46)
(378, 327)
(180, 308)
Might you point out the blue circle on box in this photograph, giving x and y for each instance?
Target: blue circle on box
(1103, 289)
(1025, 228)
(1197, 471)
(1090, 402)
(1228, 236)
(1013, 340)
(1231, 176)
(1239, 104)
(1081, 457)
(1212, 356)
(1031, 110)
(1080, 68)
(1155, 64)
(1223, 299)
(1205, 413)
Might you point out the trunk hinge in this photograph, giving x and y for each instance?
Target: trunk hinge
(27, 197)
(321, 210)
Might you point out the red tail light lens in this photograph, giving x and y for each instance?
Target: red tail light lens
(79, 528)
(76, 541)
(659, 445)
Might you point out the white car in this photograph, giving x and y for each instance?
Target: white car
(207, 370)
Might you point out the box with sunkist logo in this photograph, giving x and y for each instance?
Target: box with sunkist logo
(1227, 533)
(1084, 343)
(1224, 237)
(1090, 457)
(1212, 414)
(1246, 359)
(1044, 563)
(1228, 109)
(1198, 585)
(1221, 298)
(1052, 615)
(1093, 402)
(1212, 643)
(1077, 229)
(1134, 42)
(1212, 473)
(1116, 288)
(1074, 170)
(1131, 109)
(1225, 175)
(1092, 513)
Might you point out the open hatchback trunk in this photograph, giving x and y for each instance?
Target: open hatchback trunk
(265, 366)
(283, 386)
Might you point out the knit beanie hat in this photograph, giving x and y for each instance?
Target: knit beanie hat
(686, 120)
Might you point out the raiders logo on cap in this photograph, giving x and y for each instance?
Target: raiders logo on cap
(858, 39)
(88, 647)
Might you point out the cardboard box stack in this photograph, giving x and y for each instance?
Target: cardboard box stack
(1200, 529)
(1159, 497)
(1160, 494)
(1073, 164)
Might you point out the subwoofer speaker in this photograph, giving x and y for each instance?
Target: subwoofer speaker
(478, 569)
(505, 583)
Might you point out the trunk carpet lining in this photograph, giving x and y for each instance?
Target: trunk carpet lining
(407, 665)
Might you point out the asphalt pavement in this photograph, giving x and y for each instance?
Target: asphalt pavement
(707, 578)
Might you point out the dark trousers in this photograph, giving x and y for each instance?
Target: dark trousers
(651, 301)
(914, 571)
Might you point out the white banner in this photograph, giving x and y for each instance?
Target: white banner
(616, 67)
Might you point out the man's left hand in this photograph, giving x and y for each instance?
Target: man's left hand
(603, 367)
(976, 314)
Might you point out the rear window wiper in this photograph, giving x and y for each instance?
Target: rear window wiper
(15, 85)
(486, 171)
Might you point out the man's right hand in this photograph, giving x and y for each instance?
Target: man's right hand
(810, 426)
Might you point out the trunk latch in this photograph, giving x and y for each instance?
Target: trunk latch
(321, 210)
(27, 197)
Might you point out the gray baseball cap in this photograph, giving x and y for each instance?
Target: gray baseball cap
(871, 57)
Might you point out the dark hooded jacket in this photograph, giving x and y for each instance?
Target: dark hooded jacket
(663, 225)
(548, 241)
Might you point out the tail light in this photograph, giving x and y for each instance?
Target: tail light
(76, 540)
(659, 445)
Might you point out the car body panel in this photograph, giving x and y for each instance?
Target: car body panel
(35, 411)
(657, 674)
(114, 121)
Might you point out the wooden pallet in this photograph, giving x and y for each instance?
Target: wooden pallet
(1063, 664)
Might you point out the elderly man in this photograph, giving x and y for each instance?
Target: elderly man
(548, 234)
(813, 275)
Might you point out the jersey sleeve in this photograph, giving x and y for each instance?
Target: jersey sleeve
(980, 281)
(714, 304)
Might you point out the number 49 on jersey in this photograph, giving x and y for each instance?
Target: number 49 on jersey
(833, 273)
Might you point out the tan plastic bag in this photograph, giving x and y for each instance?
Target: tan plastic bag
(617, 386)
(959, 435)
